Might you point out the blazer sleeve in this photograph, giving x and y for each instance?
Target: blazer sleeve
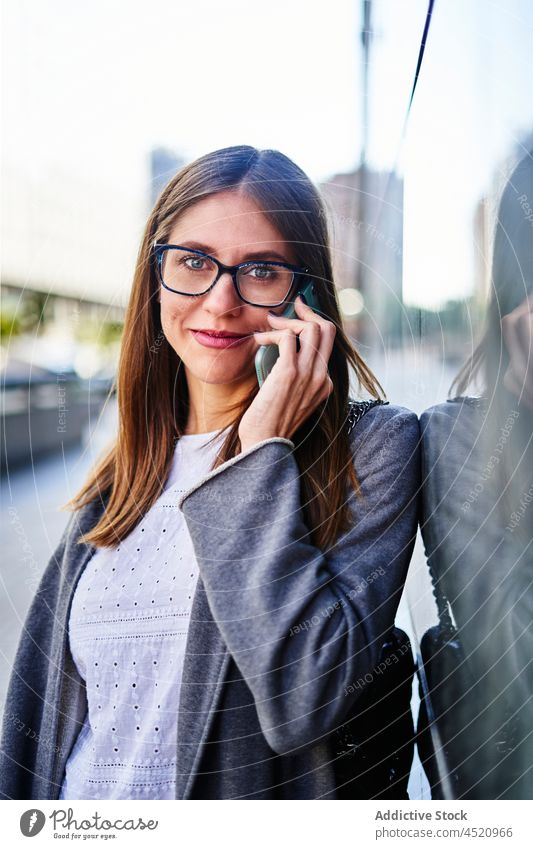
(29, 680)
(303, 624)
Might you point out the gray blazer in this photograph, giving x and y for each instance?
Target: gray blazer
(279, 629)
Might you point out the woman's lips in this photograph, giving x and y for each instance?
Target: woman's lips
(219, 341)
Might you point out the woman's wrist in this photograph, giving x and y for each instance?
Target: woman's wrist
(245, 446)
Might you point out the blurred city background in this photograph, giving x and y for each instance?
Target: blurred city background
(103, 103)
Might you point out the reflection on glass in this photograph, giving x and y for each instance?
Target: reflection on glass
(476, 719)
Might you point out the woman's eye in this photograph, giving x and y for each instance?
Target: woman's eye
(194, 262)
(261, 272)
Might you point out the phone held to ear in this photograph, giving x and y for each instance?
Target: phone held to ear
(267, 355)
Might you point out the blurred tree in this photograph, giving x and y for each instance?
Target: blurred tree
(101, 333)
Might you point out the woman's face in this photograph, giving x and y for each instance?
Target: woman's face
(233, 229)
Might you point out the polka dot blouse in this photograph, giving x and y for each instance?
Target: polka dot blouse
(127, 631)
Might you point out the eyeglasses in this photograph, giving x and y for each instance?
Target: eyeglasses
(192, 272)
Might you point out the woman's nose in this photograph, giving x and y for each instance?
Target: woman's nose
(223, 296)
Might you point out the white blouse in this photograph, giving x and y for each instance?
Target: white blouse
(127, 631)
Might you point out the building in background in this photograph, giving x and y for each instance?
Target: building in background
(367, 239)
(164, 163)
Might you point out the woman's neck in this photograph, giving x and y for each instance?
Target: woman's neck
(213, 406)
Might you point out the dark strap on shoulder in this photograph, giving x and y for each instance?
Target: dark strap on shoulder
(480, 403)
(357, 409)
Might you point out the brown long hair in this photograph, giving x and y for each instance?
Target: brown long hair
(151, 383)
(511, 283)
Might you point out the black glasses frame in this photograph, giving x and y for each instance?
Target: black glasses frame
(159, 249)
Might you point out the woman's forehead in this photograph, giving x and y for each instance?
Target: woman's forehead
(224, 220)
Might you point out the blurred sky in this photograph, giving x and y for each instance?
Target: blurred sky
(89, 88)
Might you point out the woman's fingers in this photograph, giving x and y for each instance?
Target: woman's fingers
(285, 340)
(317, 336)
(299, 380)
(304, 371)
(320, 376)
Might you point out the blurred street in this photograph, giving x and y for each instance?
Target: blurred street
(32, 524)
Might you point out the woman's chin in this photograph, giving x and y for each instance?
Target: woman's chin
(222, 373)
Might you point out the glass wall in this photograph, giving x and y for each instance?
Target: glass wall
(457, 350)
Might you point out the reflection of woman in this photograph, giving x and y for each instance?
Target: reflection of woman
(478, 460)
(225, 561)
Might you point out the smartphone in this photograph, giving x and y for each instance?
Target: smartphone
(267, 355)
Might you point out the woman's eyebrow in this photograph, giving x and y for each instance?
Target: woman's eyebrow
(197, 246)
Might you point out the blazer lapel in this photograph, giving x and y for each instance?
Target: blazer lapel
(205, 665)
(67, 696)
(68, 686)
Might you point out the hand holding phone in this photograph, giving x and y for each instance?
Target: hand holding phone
(300, 382)
(267, 355)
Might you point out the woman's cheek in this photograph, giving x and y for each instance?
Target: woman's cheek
(173, 316)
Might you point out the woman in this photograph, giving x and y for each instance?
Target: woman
(478, 488)
(235, 562)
